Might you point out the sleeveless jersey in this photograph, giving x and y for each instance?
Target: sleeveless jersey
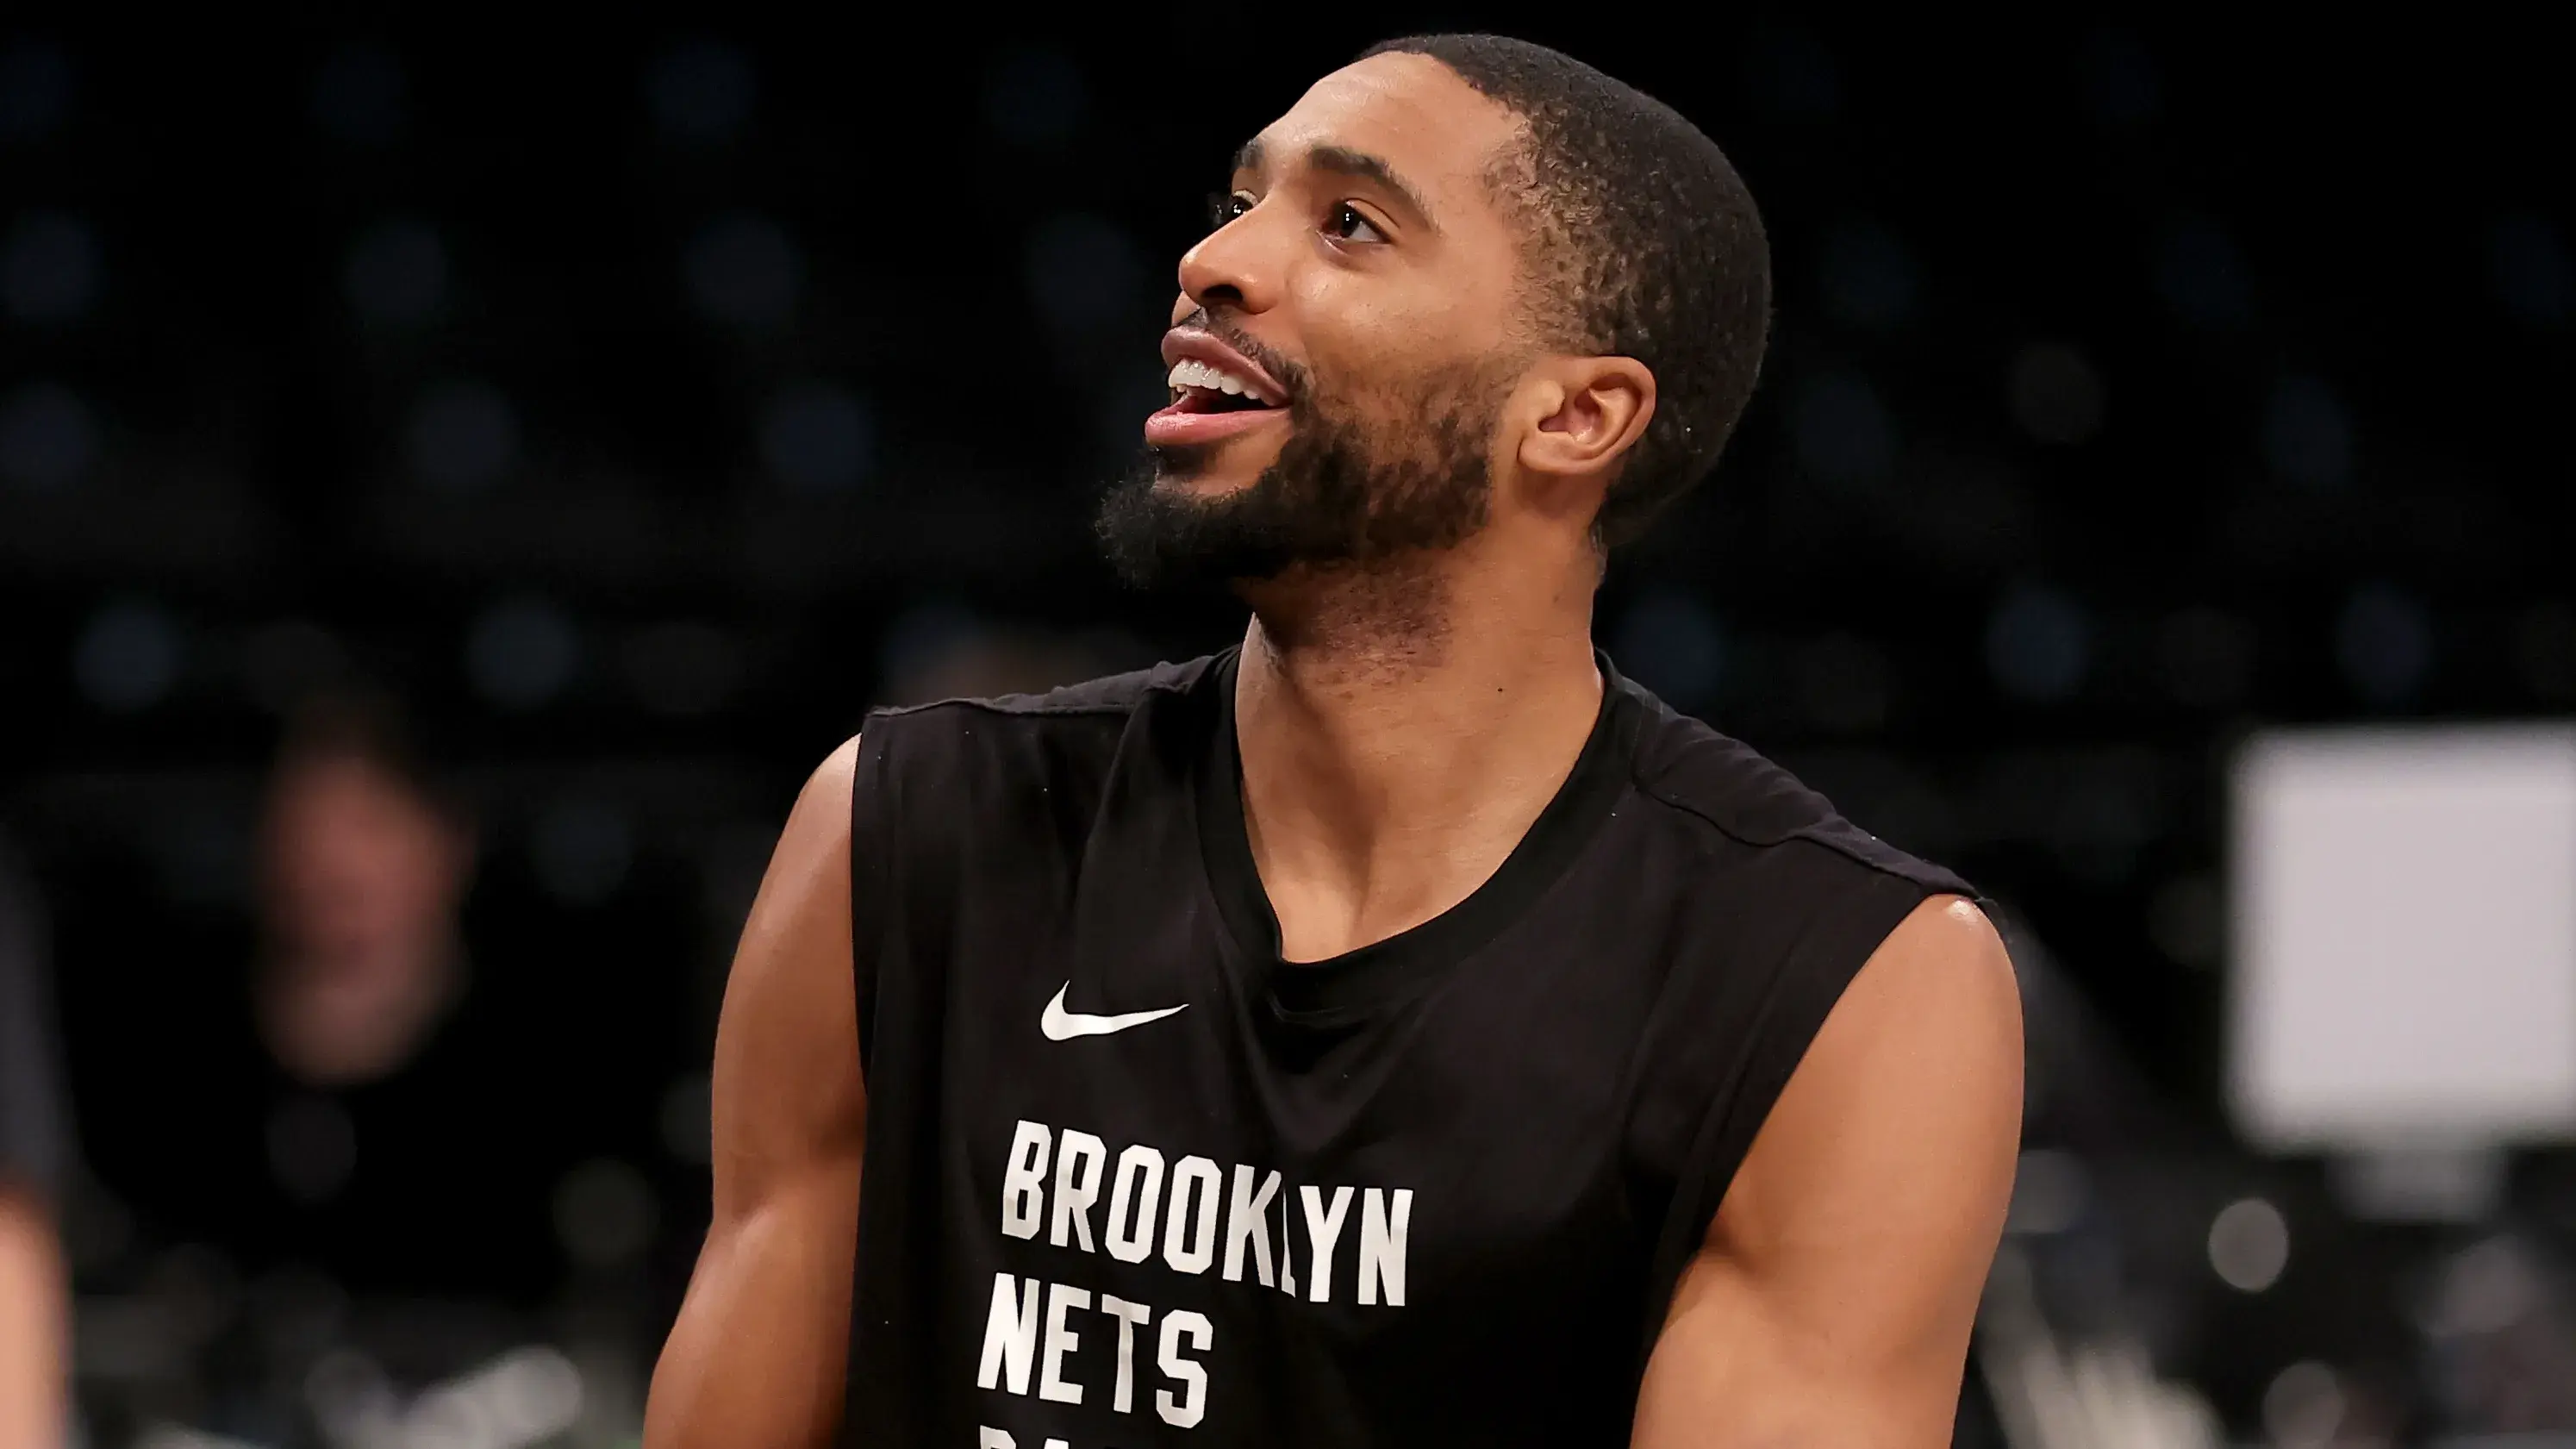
(1132, 1179)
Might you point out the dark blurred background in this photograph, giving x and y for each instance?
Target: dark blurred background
(508, 456)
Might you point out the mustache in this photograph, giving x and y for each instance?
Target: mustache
(1288, 373)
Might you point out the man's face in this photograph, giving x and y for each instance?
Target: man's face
(1342, 343)
(359, 870)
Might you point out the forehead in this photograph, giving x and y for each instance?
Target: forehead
(341, 780)
(1409, 111)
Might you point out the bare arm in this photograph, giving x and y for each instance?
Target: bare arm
(756, 1360)
(32, 1323)
(1832, 1300)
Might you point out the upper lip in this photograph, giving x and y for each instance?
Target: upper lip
(1190, 342)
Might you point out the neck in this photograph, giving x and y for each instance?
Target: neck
(1400, 732)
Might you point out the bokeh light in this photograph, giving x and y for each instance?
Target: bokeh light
(746, 271)
(2249, 1245)
(48, 438)
(49, 268)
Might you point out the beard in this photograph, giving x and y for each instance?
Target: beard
(1346, 492)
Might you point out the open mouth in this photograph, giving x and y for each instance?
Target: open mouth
(1211, 403)
(1199, 387)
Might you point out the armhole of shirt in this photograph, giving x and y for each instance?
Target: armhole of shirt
(872, 857)
(1811, 978)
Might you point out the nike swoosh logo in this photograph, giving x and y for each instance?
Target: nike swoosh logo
(1062, 1025)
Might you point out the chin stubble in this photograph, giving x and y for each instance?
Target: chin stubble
(1331, 501)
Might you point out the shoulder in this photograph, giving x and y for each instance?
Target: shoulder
(1914, 1078)
(959, 754)
(1747, 808)
(1112, 697)
(1833, 1294)
(1943, 970)
(808, 870)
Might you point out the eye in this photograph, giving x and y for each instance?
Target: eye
(1345, 222)
(1224, 207)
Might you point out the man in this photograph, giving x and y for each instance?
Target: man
(34, 1311)
(1399, 1030)
(395, 1091)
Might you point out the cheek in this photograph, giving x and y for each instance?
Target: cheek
(1379, 349)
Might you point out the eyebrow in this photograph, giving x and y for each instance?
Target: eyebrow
(1343, 161)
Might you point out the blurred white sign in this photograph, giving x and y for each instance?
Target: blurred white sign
(2403, 937)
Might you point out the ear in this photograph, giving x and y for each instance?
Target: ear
(1589, 411)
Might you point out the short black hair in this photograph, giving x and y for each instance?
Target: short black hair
(1644, 243)
(363, 724)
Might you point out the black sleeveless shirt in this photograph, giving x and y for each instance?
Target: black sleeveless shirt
(1132, 1179)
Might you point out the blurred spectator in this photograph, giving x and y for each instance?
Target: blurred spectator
(32, 1310)
(363, 867)
(414, 1109)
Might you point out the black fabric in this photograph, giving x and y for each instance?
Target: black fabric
(33, 1145)
(1501, 1134)
(1355, 983)
(437, 1180)
(440, 1180)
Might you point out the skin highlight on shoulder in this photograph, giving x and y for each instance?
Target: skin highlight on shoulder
(1834, 1296)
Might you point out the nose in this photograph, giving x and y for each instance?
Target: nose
(1232, 267)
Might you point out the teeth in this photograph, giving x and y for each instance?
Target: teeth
(1190, 372)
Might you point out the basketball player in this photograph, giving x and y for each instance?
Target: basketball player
(1400, 1029)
